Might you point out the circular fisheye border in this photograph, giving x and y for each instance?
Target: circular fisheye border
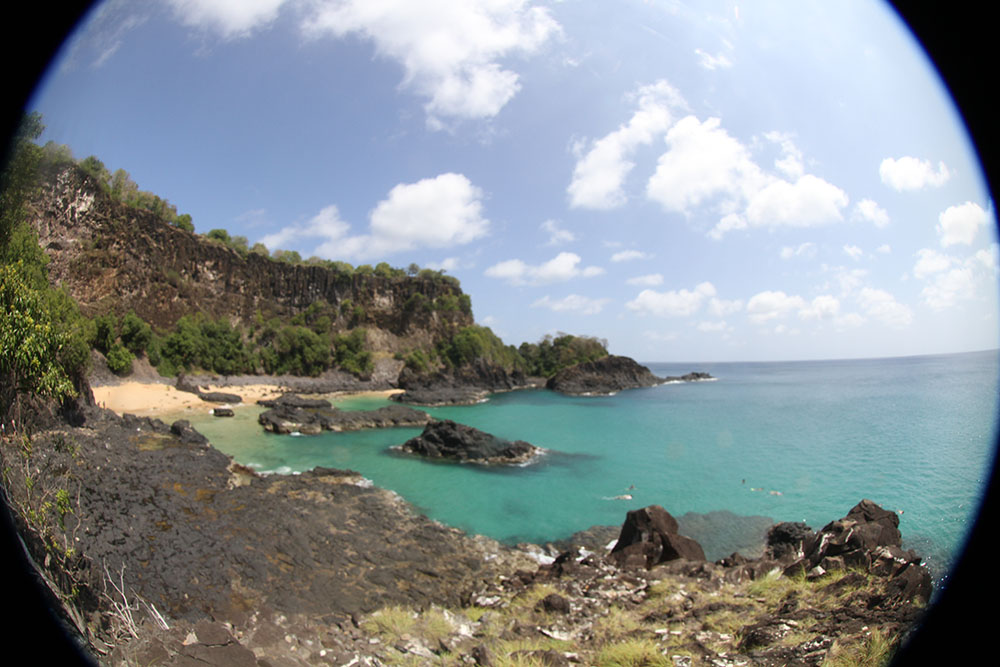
(957, 39)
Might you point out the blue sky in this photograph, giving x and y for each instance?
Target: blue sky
(693, 182)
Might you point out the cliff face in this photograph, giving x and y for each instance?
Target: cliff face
(114, 257)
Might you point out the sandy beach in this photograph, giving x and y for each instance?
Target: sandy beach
(152, 399)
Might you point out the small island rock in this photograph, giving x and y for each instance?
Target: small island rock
(449, 440)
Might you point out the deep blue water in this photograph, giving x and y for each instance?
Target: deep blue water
(792, 441)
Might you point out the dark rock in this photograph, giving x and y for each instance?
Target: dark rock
(219, 397)
(649, 537)
(458, 442)
(604, 376)
(182, 428)
(223, 412)
(785, 541)
(554, 604)
(287, 417)
(294, 401)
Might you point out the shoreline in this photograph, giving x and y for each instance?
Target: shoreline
(152, 399)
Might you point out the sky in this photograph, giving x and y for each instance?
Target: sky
(710, 181)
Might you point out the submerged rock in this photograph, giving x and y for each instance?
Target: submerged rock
(458, 442)
(288, 417)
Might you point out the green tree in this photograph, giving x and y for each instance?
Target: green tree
(94, 168)
(183, 221)
(135, 333)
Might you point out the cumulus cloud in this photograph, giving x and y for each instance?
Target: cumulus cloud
(648, 280)
(821, 307)
(451, 52)
(673, 303)
(702, 162)
(557, 235)
(629, 255)
(808, 202)
(705, 166)
(723, 307)
(868, 210)
(439, 212)
(882, 306)
(959, 224)
(910, 173)
(229, 18)
(599, 175)
(562, 267)
(769, 305)
(572, 303)
(950, 279)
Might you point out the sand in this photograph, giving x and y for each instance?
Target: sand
(153, 399)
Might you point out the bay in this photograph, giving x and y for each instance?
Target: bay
(791, 441)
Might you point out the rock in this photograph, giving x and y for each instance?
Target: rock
(458, 442)
(219, 397)
(554, 603)
(223, 412)
(182, 428)
(649, 537)
(785, 540)
(287, 417)
(604, 376)
(294, 401)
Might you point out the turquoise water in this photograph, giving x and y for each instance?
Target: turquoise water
(795, 441)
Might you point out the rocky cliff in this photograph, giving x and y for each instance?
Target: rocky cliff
(115, 257)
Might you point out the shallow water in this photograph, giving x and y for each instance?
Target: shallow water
(794, 441)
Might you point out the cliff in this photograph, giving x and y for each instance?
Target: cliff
(113, 257)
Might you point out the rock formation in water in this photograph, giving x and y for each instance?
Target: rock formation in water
(457, 442)
(294, 414)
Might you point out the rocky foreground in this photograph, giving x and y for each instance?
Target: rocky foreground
(163, 551)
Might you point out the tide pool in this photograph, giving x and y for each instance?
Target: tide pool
(792, 441)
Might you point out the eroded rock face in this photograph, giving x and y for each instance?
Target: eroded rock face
(649, 537)
(604, 376)
(458, 442)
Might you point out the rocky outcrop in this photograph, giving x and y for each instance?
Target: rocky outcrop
(310, 416)
(649, 537)
(604, 376)
(458, 442)
(114, 257)
(464, 386)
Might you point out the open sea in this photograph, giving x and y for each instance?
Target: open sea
(789, 441)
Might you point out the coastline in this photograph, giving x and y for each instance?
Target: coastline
(151, 399)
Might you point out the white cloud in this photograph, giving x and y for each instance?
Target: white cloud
(629, 255)
(807, 250)
(451, 52)
(560, 268)
(446, 264)
(910, 173)
(854, 252)
(769, 305)
(703, 162)
(949, 287)
(868, 210)
(675, 303)
(572, 303)
(599, 176)
(791, 161)
(230, 18)
(710, 62)
(713, 327)
(808, 202)
(439, 212)
(723, 307)
(884, 249)
(649, 280)
(930, 262)
(959, 224)
(821, 307)
(557, 235)
(883, 306)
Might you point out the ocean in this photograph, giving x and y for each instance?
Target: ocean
(771, 441)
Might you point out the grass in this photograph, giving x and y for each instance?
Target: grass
(616, 625)
(632, 653)
(875, 651)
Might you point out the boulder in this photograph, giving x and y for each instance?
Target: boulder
(458, 442)
(649, 536)
(223, 412)
(287, 417)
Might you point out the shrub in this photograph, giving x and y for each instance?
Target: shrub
(119, 359)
